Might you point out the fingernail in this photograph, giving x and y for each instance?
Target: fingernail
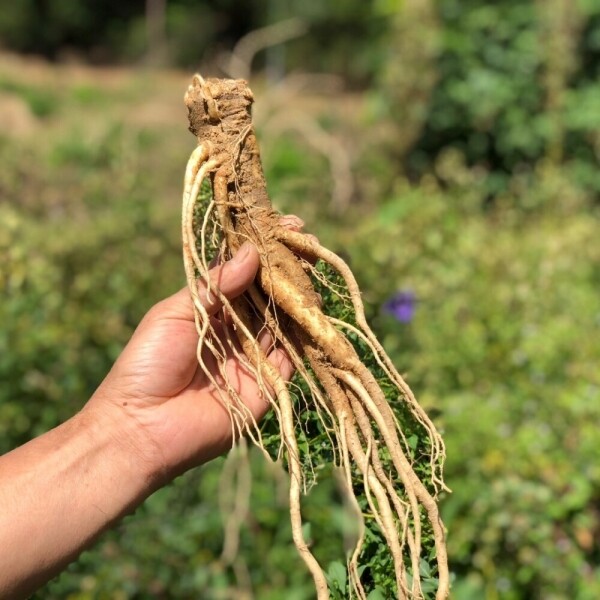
(292, 222)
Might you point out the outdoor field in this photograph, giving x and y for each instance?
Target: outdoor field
(447, 151)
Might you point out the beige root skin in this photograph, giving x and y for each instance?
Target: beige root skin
(283, 302)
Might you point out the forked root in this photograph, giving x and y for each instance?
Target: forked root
(366, 433)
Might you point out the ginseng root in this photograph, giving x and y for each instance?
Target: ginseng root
(365, 431)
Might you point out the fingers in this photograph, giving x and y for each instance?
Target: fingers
(291, 222)
(232, 278)
(281, 360)
(276, 355)
(265, 340)
(296, 224)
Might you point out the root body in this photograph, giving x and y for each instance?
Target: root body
(372, 448)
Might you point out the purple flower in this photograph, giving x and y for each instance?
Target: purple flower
(401, 306)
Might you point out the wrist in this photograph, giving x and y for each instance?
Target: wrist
(113, 423)
(62, 489)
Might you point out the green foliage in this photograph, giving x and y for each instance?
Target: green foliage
(493, 224)
(63, 232)
(116, 30)
(505, 343)
(515, 86)
(41, 102)
(50, 28)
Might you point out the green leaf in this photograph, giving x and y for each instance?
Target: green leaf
(376, 595)
(337, 575)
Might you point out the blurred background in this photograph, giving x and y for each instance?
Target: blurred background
(448, 148)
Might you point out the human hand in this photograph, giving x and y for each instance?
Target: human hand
(154, 416)
(157, 386)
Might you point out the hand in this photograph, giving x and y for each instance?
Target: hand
(154, 416)
(157, 384)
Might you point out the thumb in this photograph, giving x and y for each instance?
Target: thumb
(162, 350)
(232, 278)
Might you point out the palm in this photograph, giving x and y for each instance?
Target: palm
(162, 386)
(194, 405)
